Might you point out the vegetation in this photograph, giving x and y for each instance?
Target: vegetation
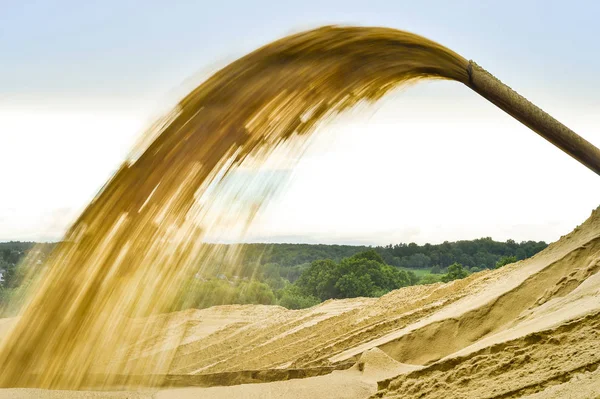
(482, 253)
(298, 276)
(505, 260)
(203, 294)
(475, 255)
(456, 271)
(364, 274)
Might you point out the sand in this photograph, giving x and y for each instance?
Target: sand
(530, 329)
(146, 233)
(58, 394)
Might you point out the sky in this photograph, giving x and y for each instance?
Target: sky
(80, 81)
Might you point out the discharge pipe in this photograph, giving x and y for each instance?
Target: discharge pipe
(533, 117)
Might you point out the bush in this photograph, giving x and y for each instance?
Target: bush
(412, 277)
(204, 294)
(455, 272)
(430, 279)
(255, 292)
(290, 297)
(505, 260)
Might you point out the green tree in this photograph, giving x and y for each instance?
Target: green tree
(366, 273)
(320, 279)
(353, 285)
(416, 261)
(371, 254)
(363, 274)
(521, 254)
(455, 272)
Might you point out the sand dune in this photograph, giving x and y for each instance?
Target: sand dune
(530, 329)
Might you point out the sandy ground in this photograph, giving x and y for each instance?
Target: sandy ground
(360, 381)
(47, 394)
(531, 329)
(352, 383)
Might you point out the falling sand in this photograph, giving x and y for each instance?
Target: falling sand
(129, 250)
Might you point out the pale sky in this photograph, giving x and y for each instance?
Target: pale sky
(79, 82)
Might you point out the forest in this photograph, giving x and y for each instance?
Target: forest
(482, 253)
(300, 275)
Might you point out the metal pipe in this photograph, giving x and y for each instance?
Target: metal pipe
(533, 117)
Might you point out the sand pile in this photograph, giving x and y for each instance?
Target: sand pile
(502, 333)
(530, 328)
(414, 325)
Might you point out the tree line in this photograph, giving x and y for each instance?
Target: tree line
(302, 275)
(474, 255)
